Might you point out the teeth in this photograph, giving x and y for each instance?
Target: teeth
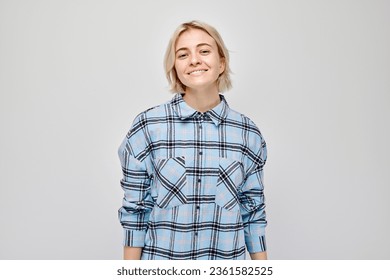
(197, 71)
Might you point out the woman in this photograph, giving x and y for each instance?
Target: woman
(193, 167)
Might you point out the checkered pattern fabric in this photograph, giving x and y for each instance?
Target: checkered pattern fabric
(193, 183)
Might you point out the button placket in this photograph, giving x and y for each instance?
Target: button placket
(201, 118)
(198, 180)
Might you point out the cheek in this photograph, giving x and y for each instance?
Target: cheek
(179, 69)
(179, 73)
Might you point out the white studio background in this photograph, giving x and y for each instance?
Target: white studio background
(313, 75)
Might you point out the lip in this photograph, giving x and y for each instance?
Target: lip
(198, 71)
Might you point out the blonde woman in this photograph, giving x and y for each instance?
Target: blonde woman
(193, 167)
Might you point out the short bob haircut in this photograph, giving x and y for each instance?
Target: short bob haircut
(224, 83)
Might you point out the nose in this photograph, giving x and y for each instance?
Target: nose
(195, 59)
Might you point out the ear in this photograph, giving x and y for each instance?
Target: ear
(222, 65)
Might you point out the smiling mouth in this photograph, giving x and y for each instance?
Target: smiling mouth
(197, 71)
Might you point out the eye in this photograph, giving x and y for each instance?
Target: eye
(182, 55)
(204, 52)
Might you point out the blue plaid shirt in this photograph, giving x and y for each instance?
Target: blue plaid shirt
(193, 183)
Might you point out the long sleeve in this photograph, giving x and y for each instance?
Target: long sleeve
(193, 184)
(137, 201)
(251, 197)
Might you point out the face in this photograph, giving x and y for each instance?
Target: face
(197, 61)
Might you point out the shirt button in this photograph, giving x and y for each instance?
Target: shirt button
(200, 153)
(199, 180)
(196, 233)
(197, 207)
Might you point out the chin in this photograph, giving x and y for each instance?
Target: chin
(200, 85)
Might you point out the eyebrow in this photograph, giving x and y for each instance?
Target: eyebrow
(199, 45)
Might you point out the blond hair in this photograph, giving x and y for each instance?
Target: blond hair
(224, 83)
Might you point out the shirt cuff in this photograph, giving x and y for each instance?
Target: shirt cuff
(255, 244)
(134, 238)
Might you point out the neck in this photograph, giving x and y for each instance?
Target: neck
(202, 101)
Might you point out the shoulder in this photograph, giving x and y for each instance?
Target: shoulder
(143, 119)
(154, 111)
(151, 113)
(248, 126)
(254, 143)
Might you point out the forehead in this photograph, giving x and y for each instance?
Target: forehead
(193, 37)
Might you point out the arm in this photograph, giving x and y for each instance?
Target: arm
(252, 203)
(137, 200)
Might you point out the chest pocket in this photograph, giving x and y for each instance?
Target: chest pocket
(171, 182)
(231, 176)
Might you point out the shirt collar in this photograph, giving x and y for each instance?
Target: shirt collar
(183, 111)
